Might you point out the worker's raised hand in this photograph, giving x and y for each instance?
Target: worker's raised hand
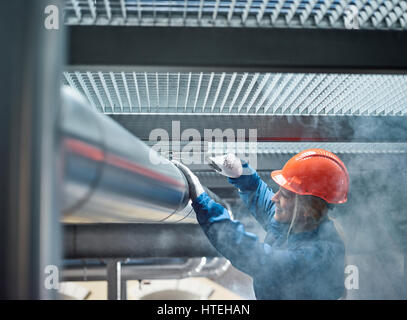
(228, 165)
(195, 187)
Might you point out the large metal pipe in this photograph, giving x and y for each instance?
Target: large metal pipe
(111, 176)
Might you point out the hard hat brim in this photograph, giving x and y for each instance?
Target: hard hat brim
(278, 177)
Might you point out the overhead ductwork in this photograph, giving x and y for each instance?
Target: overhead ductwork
(110, 176)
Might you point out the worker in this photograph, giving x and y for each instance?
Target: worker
(303, 255)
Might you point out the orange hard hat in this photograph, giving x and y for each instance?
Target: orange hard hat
(315, 172)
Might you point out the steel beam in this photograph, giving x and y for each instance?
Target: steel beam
(239, 49)
(114, 280)
(277, 128)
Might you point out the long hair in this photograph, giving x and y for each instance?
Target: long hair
(309, 213)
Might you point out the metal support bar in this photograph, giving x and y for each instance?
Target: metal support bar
(150, 269)
(240, 49)
(114, 280)
(277, 128)
(123, 288)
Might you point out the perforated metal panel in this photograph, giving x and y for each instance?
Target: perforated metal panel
(296, 147)
(242, 93)
(389, 14)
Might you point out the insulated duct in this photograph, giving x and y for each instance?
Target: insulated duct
(111, 176)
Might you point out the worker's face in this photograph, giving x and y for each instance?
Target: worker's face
(284, 201)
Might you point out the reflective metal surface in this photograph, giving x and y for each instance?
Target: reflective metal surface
(110, 175)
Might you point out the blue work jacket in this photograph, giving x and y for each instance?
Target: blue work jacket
(306, 265)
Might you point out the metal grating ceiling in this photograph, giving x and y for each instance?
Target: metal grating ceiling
(296, 147)
(388, 14)
(242, 93)
(289, 148)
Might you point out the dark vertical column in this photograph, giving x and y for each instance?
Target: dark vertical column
(31, 59)
(114, 281)
(123, 287)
